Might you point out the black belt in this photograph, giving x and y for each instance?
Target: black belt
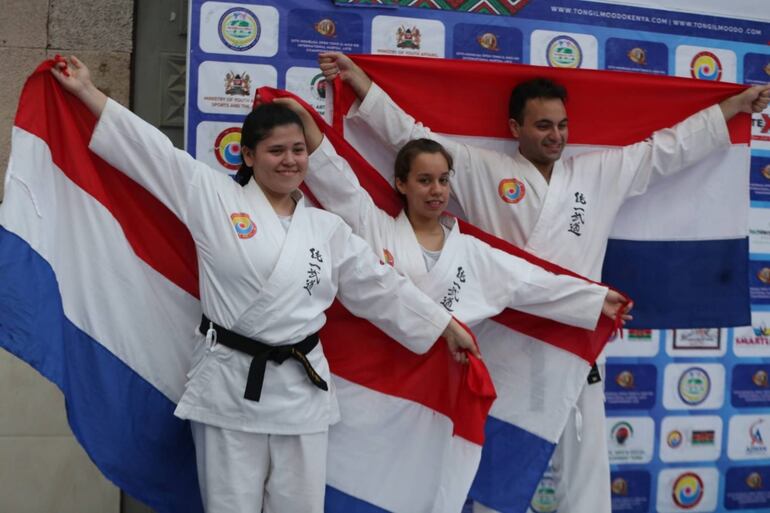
(594, 376)
(264, 352)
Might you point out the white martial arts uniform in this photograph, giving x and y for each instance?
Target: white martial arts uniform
(272, 285)
(567, 222)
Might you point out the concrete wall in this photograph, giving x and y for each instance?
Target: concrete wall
(42, 467)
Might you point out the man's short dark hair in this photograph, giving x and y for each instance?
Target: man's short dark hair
(535, 88)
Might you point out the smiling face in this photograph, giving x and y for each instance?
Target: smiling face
(279, 161)
(426, 187)
(542, 132)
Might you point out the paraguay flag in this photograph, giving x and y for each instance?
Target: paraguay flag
(680, 250)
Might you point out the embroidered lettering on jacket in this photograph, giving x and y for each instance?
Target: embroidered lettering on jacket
(577, 220)
(313, 271)
(453, 294)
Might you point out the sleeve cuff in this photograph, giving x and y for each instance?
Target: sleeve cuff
(363, 108)
(718, 125)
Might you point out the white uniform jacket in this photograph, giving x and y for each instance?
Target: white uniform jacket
(471, 279)
(263, 282)
(586, 189)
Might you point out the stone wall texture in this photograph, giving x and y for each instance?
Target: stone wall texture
(42, 467)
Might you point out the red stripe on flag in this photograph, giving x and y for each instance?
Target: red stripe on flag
(157, 236)
(463, 393)
(604, 107)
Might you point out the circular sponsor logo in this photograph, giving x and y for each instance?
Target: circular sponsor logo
(564, 52)
(674, 439)
(754, 481)
(764, 275)
(326, 28)
(625, 379)
(619, 486)
(760, 378)
(239, 29)
(694, 386)
(227, 148)
(766, 171)
(318, 87)
(488, 41)
(705, 65)
(637, 56)
(244, 226)
(621, 432)
(544, 500)
(388, 256)
(687, 491)
(767, 68)
(511, 190)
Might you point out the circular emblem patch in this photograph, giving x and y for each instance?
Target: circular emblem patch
(227, 148)
(564, 52)
(244, 226)
(326, 28)
(488, 41)
(318, 87)
(694, 386)
(706, 66)
(239, 29)
(687, 490)
(619, 486)
(511, 190)
(638, 56)
(760, 378)
(621, 432)
(674, 439)
(625, 379)
(754, 481)
(388, 256)
(544, 500)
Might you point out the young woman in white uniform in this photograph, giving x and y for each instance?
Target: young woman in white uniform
(268, 268)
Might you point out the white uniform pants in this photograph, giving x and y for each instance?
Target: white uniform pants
(580, 463)
(251, 473)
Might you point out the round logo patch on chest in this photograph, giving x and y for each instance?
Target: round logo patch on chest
(244, 226)
(511, 190)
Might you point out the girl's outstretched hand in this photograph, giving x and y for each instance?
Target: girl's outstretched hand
(75, 78)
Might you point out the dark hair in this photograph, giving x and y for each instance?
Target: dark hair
(257, 126)
(535, 88)
(410, 151)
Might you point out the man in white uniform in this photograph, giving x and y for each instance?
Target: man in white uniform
(537, 218)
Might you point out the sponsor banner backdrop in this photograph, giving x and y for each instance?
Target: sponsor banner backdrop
(697, 397)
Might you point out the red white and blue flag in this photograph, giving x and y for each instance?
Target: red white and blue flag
(680, 251)
(100, 296)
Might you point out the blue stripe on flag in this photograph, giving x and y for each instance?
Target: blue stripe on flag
(340, 502)
(682, 284)
(124, 423)
(512, 462)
